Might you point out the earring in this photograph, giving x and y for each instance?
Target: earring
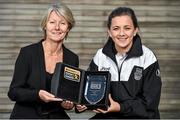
(134, 34)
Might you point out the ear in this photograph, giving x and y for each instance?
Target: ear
(109, 33)
(136, 31)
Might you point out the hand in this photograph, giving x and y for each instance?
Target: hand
(67, 105)
(81, 108)
(47, 97)
(114, 107)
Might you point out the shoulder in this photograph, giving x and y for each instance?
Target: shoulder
(147, 52)
(99, 52)
(99, 55)
(69, 52)
(30, 50)
(149, 56)
(70, 57)
(32, 46)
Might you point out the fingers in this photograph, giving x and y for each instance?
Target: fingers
(114, 106)
(81, 108)
(104, 111)
(100, 111)
(56, 99)
(110, 98)
(67, 105)
(47, 97)
(96, 111)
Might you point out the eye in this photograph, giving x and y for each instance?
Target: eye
(127, 28)
(51, 22)
(115, 28)
(63, 23)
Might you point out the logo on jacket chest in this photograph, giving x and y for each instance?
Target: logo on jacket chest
(138, 73)
(105, 69)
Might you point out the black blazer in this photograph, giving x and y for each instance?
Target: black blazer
(29, 78)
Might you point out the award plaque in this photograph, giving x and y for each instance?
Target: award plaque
(80, 86)
(95, 88)
(66, 82)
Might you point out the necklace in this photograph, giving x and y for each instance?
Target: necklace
(54, 54)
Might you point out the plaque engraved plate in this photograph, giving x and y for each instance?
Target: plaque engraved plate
(95, 88)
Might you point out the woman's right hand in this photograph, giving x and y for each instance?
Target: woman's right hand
(47, 97)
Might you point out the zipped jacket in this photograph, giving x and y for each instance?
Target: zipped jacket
(135, 84)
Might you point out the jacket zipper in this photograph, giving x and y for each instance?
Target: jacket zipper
(119, 69)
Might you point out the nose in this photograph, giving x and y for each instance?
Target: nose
(57, 27)
(121, 32)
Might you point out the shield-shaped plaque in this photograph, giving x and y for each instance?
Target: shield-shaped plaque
(95, 88)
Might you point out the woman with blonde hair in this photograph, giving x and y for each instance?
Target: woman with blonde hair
(35, 65)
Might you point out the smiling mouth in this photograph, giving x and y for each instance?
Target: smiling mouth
(122, 39)
(56, 33)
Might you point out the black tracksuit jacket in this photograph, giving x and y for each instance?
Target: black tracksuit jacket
(135, 85)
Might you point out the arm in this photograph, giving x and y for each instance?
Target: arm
(93, 66)
(19, 90)
(146, 103)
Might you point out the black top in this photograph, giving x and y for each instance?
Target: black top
(48, 81)
(50, 106)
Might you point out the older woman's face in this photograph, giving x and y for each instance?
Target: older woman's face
(56, 27)
(122, 32)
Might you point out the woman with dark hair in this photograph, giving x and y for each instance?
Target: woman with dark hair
(135, 76)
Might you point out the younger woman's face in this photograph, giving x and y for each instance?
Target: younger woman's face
(122, 32)
(56, 27)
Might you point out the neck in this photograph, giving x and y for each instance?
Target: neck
(52, 48)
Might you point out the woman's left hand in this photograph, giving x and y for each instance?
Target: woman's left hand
(81, 108)
(67, 104)
(114, 107)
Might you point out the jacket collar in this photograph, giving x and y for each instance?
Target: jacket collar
(135, 51)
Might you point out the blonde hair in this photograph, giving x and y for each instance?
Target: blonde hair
(60, 10)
